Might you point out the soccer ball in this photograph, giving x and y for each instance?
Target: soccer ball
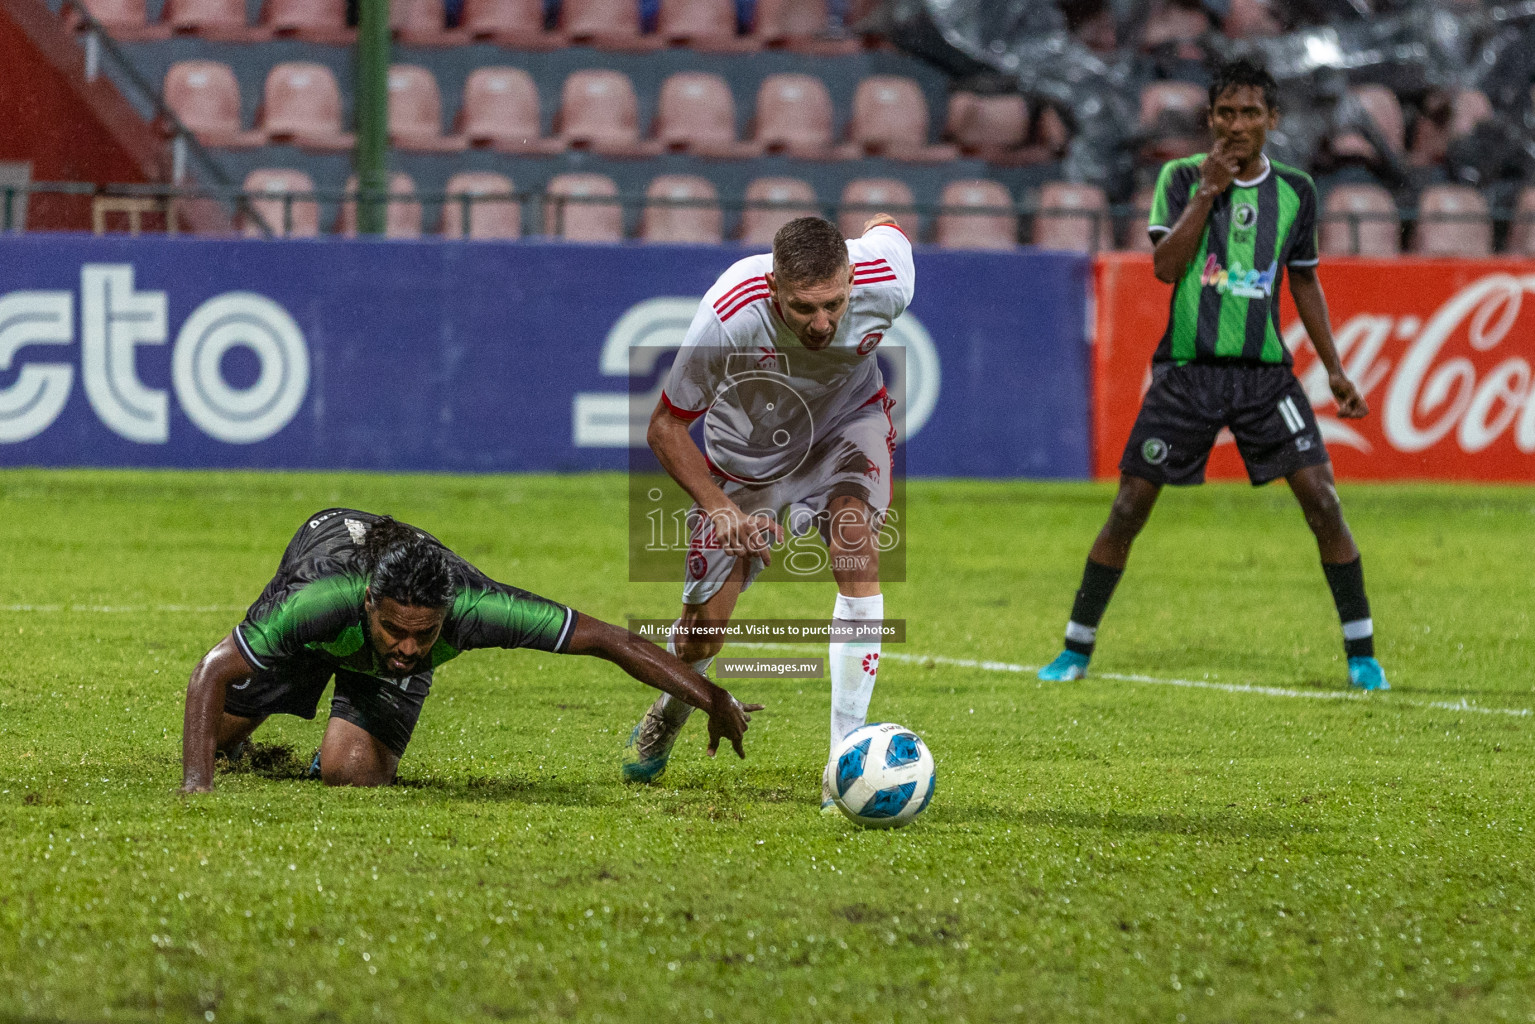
(882, 775)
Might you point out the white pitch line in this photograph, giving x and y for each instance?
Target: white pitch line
(1195, 684)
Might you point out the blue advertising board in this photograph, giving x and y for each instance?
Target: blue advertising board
(474, 357)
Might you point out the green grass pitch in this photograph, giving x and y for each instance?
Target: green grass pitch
(1231, 838)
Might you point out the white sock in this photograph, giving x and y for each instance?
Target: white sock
(677, 711)
(854, 665)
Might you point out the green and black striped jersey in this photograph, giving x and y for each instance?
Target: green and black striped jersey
(314, 606)
(1226, 305)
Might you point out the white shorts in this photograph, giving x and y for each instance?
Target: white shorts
(855, 460)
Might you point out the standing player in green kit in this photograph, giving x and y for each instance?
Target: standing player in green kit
(1226, 225)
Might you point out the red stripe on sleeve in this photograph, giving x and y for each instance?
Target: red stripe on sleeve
(686, 415)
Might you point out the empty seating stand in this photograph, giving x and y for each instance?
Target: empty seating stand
(402, 213)
(770, 203)
(1452, 221)
(794, 117)
(708, 26)
(583, 208)
(296, 217)
(518, 24)
(498, 217)
(415, 112)
(1360, 220)
(606, 25)
(500, 111)
(301, 105)
(696, 114)
(890, 120)
(865, 197)
(313, 21)
(800, 25)
(1072, 216)
(205, 98)
(993, 224)
(599, 111)
(222, 20)
(682, 208)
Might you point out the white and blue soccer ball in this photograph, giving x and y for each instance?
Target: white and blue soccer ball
(882, 775)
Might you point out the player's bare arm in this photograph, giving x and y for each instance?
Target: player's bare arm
(1173, 253)
(223, 665)
(728, 717)
(739, 534)
(1311, 304)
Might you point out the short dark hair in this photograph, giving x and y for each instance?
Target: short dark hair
(1244, 71)
(809, 250)
(406, 566)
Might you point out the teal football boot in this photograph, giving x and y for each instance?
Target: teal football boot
(650, 744)
(1366, 674)
(1068, 665)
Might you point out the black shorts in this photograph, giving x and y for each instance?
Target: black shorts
(1186, 407)
(294, 686)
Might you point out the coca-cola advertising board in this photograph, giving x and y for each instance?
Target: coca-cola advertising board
(1443, 351)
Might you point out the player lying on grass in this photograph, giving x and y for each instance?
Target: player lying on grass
(379, 605)
(779, 362)
(1225, 226)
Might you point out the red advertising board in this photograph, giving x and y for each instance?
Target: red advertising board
(1443, 350)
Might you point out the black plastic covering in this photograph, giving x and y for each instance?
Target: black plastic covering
(1414, 48)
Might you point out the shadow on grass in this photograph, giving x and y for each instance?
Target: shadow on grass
(1216, 824)
(522, 790)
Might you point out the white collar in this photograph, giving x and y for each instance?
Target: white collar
(1259, 179)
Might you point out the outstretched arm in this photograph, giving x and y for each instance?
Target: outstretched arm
(653, 666)
(205, 707)
(1311, 304)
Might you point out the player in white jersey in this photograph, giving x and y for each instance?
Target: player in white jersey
(779, 361)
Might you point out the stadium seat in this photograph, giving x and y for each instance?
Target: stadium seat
(674, 210)
(1431, 136)
(890, 120)
(1172, 121)
(862, 198)
(500, 111)
(402, 217)
(697, 114)
(518, 24)
(486, 218)
(988, 127)
(212, 19)
(794, 117)
(1385, 113)
(800, 25)
(606, 25)
(297, 218)
(993, 225)
(1136, 237)
(127, 20)
(1452, 221)
(1072, 216)
(1176, 27)
(205, 98)
(301, 105)
(1249, 19)
(708, 26)
(423, 23)
(1360, 220)
(571, 212)
(599, 111)
(1521, 233)
(415, 112)
(773, 202)
(314, 21)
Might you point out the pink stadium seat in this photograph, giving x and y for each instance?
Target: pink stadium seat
(1385, 112)
(518, 24)
(794, 117)
(567, 216)
(315, 21)
(799, 25)
(402, 218)
(415, 112)
(205, 97)
(1175, 26)
(301, 104)
(1521, 233)
(672, 213)
(1072, 216)
(1179, 97)
(1431, 140)
(1137, 238)
(1249, 19)
(599, 111)
(772, 203)
(1172, 118)
(605, 24)
(422, 23)
(890, 120)
(987, 126)
(862, 198)
(993, 225)
(1452, 221)
(696, 114)
(705, 25)
(296, 218)
(485, 218)
(500, 111)
(211, 19)
(1360, 220)
(123, 19)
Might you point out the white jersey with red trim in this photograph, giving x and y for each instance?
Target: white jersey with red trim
(770, 400)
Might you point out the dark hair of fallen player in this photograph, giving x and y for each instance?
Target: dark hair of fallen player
(406, 567)
(809, 250)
